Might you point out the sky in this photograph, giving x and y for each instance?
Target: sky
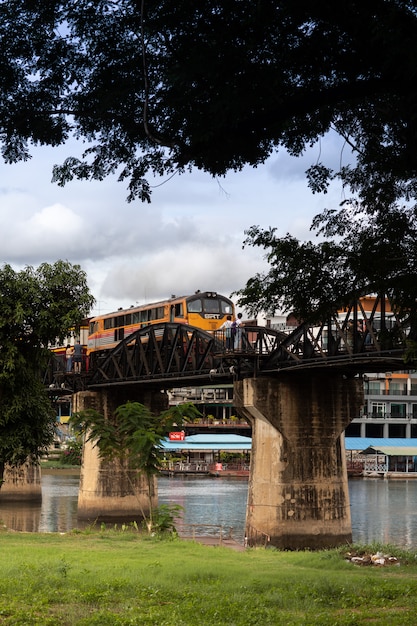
(190, 236)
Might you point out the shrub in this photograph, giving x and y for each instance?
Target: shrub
(72, 455)
(165, 517)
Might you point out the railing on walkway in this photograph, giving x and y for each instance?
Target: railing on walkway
(378, 463)
(230, 467)
(202, 467)
(214, 534)
(255, 537)
(388, 416)
(181, 467)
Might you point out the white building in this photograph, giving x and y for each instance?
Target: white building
(390, 408)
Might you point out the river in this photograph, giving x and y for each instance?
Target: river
(382, 510)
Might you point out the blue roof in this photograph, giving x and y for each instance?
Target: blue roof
(240, 442)
(362, 443)
(210, 442)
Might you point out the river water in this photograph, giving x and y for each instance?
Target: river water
(381, 510)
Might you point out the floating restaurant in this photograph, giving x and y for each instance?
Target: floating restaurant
(386, 458)
(366, 456)
(201, 454)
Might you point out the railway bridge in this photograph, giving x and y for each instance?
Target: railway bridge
(299, 389)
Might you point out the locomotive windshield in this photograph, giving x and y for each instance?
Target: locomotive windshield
(218, 306)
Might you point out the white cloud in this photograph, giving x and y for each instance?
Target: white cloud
(55, 222)
(180, 270)
(189, 238)
(27, 238)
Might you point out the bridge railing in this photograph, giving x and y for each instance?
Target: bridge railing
(186, 354)
(354, 330)
(255, 537)
(216, 532)
(249, 340)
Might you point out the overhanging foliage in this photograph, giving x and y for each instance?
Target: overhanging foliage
(160, 86)
(156, 87)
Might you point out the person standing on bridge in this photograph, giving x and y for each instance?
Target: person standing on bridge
(68, 357)
(238, 332)
(227, 327)
(77, 358)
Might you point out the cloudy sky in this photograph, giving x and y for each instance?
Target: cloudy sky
(190, 237)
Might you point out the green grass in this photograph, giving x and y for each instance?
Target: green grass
(122, 578)
(56, 464)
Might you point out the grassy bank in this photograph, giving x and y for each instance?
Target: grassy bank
(56, 464)
(120, 578)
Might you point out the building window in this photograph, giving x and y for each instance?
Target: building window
(378, 409)
(374, 430)
(397, 389)
(398, 410)
(374, 388)
(396, 431)
(353, 430)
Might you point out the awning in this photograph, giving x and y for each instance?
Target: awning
(392, 450)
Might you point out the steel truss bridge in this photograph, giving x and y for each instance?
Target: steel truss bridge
(176, 355)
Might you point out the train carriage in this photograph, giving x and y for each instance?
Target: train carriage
(206, 310)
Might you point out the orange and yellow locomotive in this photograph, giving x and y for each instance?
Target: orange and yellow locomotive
(206, 310)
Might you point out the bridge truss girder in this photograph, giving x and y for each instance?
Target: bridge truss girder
(168, 355)
(161, 351)
(353, 339)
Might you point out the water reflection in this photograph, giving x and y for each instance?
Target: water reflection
(56, 513)
(59, 503)
(24, 517)
(208, 500)
(382, 510)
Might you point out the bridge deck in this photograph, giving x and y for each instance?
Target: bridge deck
(176, 355)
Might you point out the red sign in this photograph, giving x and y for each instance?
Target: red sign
(178, 436)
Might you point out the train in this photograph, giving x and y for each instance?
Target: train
(207, 310)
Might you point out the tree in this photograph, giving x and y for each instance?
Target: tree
(134, 437)
(374, 254)
(161, 86)
(37, 307)
(158, 87)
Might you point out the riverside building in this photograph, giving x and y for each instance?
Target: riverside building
(390, 409)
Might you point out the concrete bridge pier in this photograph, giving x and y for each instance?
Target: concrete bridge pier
(110, 491)
(22, 483)
(298, 489)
